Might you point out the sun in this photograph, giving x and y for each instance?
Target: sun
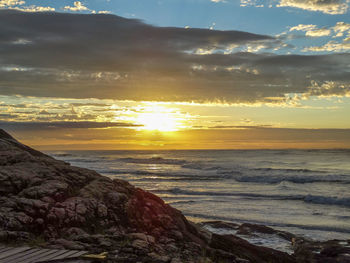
(159, 118)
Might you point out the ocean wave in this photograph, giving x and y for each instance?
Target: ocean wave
(172, 179)
(61, 154)
(321, 200)
(331, 151)
(288, 170)
(153, 160)
(293, 179)
(211, 174)
(325, 200)
(270, 224)
(181, 202)
(172, 176)
(176, 190)
(84, 160)
(201, 166)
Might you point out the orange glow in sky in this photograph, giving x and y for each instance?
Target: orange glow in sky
(154, 117)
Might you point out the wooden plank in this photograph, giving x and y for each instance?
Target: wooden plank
(66, 255)
(12, 252)
(78, 254)
(33, 257)
(3, 249)
(56, 253)
(16, 258)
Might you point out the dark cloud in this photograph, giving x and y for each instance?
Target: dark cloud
(90, 104)
(19, 106)
(39, 126)
(6, 116)
(106, 56)
(241, 126)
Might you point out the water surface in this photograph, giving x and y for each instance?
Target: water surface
(306, 192)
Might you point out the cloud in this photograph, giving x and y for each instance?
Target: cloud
(240, 127)
(331, 46)
(318, 32)
(78, 6)
(340, 28)
(34, 8)
(10, 3)
(332, 7)
(62, 125)
(312, 30)
(256, 3)
(18, 5)
(126, 59)
(104, 12)
(328, 89)
(302, 27)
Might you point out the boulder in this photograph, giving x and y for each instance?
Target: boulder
(243, 249)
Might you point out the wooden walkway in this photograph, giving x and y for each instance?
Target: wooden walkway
(36, 255)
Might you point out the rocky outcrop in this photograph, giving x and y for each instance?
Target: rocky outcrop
(333, 251)
(242, 248)
(51, 203)
(46, 202)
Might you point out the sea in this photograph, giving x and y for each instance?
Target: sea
(305, 192)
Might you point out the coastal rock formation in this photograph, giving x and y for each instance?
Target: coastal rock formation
(48, 203)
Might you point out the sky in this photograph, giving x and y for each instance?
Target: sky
(176, 74)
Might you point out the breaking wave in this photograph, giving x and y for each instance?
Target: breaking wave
(271, 179)
(323, 200)
(153, 160)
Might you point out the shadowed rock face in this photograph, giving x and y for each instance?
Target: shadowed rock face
(49, 203)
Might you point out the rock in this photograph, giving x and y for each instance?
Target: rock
(171, 247)
(102, 210)
(176, 235)
(243, 249)
(59, 212)
(69, 244)
(39, 221)
(319, 252)
(247, 229)
(48, 200)
(151, 239)
(116, 198)
(166, 240)
(221, 224)
(24, 219)
(250, 229)
(105, 243)
(75, 233)
(155, 258)
(140, 244)
(9, 236)
(81, 209)
(140, 236)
